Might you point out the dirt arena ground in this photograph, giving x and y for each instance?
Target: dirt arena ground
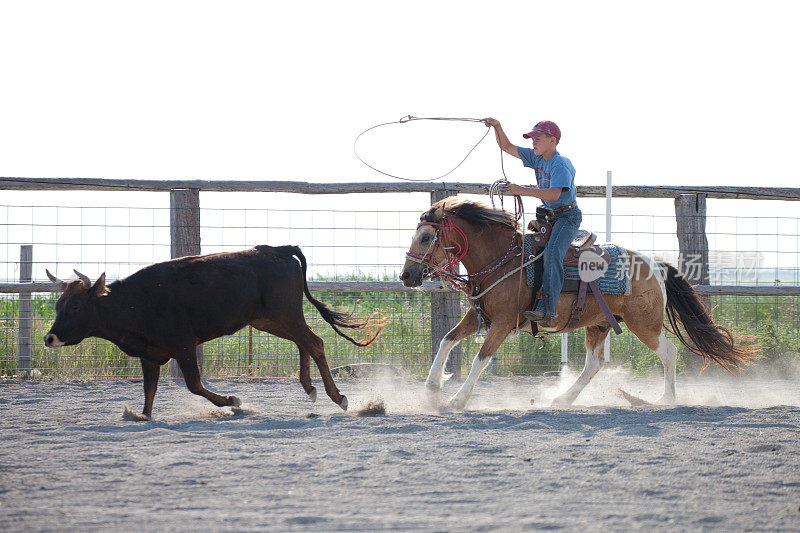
(727, 458)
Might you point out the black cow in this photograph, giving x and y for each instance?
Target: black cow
(167, 309)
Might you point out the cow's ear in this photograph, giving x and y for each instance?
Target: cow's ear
(99, 287)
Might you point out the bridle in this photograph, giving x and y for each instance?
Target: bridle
(470, 284)
(453, 250)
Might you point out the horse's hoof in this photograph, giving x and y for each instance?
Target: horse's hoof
(432, 387)
(664, 400)
(313, 394)
(433, 398)
(343, 403)
(560, 403)
(457, 404)
(235, 402)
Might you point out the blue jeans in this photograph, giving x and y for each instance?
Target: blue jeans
(564, 230)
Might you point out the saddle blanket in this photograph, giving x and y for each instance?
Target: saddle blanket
(616, 280)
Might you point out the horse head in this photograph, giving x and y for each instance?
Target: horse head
(426, 248)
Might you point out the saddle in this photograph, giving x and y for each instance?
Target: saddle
(583, 241)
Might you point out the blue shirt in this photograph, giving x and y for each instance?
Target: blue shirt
(556, 172)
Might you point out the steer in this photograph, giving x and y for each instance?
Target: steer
(167, 309)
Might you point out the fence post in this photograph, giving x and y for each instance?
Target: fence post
(690, 215)
(445, 311)
(25, 312)
(184, 231)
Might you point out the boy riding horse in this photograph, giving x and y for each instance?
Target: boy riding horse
(555, 179)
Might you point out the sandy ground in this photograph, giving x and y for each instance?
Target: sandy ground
(726, 458)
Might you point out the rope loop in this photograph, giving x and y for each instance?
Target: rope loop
(409, 118)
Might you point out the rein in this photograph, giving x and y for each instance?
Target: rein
(507, 275)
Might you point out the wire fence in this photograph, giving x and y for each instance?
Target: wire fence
(358, 238)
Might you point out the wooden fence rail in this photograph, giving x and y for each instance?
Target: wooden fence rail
(300, 187)
(434, 287)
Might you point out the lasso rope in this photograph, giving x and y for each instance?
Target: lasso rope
(411, 118)
(496, 189)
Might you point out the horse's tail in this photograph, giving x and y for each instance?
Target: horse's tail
(374, 322)
(707, 339)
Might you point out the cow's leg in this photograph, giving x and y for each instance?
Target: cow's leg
(191, 374)
(150, 372)
(313, 345)
(305, 376)
(594, 340)
(494, 338)
(310, 347)
(466, 327)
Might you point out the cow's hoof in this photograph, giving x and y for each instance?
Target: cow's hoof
(235, 402)
(128, 414)
(313, 394)
(343, 403)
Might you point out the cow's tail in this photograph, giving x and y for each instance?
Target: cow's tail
(373, 324)
(707, 339)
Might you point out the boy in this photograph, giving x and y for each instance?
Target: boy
(555, 177)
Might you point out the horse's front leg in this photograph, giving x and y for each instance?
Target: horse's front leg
(466, 327)
(494, 338)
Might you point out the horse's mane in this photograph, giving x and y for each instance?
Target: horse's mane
(474, 212)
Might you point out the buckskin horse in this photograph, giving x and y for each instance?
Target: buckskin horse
(483, 239)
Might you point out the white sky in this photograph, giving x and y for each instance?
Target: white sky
(659, 92)
(679, 92)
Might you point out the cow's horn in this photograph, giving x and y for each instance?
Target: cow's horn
(87, 283)
(60, 284)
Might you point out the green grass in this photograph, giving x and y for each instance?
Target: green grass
(406, 341)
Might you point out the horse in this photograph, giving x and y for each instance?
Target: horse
(478, 236)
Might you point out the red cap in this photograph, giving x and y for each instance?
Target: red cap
(544, 127)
